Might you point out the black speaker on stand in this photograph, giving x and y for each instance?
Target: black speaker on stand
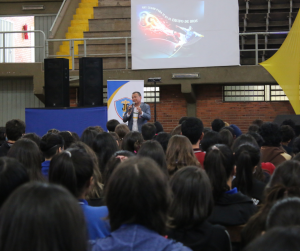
(57, 82)
(90, 81)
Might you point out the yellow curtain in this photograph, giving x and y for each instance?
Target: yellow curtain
(284, 66)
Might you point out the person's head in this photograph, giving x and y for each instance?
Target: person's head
(111, 125)
(88, 136)
(136, 98)
(98, 129)
(259, 140)
(15, 128)
(219, 166)
(51, 144)
(243, 139)
(163, 139)
(154, 150)
(158, 126)
(192, 128)
(247, 158)
(104, 146)
(181, 120)
(68, 138)
(296, 145)
(287, 174)
(290, 123)
(226, 137)
(132, 142)
(192, 200)
(229, 128)
(287, 133)
(122, 130)
(253, 128)
(34, 137)
(258, 122)
(148, 131)
(114, 161)
(12, 175)
(28, 153)
(55, 131)
(284, 213)
(41, 216)
(277, 239)
(209, 139)
(144, 200)
(180, 153)
(176, 130)
(96, 189)
(271, 134)
(217, 125)
(206, 129)
(73, 169)
(75, 136)
(116, 137)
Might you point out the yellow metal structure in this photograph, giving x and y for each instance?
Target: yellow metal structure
(284, 66)
(79, 24)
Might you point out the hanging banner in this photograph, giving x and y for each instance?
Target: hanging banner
(119, 94)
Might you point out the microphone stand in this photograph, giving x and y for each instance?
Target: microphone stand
(155, 101)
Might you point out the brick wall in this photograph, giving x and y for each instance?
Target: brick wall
(171, 107)
(22, 55)
(210, 106)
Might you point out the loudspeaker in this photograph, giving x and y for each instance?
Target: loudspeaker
(57, 82)
(90, 81)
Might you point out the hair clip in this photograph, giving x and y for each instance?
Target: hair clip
(215, 148)
(69, 153)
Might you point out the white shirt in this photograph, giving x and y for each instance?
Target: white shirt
(135, 116)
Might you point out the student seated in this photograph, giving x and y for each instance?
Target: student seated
(51, 144)
(74, 169)
(12, 175)
(277, 239)
(285, 182)
(191, 206)
(232, 208)
(40, 216)
(247, 158)
(137, 196)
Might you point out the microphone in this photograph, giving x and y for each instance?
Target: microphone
(130, 108)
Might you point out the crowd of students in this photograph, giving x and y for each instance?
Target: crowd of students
(196, 188)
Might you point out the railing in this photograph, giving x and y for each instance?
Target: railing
(64, 6)
(256, 34)
(71, 48)
(20, 47)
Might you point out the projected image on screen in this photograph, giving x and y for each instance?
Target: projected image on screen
(165, 36)
(191, 33)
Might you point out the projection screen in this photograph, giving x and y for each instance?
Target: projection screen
(181, 34)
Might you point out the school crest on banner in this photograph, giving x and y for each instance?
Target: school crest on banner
(121, 106)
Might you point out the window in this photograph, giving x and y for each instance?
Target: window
(253, 93)
(9, 53)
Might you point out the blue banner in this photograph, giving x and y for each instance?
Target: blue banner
(40, 120)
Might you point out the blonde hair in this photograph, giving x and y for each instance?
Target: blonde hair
(180, 154)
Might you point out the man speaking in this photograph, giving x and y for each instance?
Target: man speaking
(137, 114)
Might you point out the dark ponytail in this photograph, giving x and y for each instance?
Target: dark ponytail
(219, 164)
(72, 169)
(246, 157)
